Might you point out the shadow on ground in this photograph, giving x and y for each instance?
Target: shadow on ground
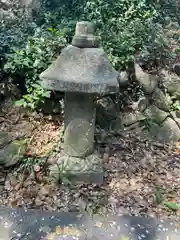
(23, 224)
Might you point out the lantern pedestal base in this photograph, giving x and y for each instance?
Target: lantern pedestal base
(78, 170)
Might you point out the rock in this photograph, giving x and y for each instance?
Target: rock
(176, 68)
(45, 190)
(169, 132)
(5, 138)
(11, 153)
(38, 202)
(155, 114)
(105, 112)
(176, 116)
(148, 81)
(129, 118)
(13, 180)
(174, 88)
(177, 120)
(171, 82)
(123, 79)
(143, 103)
(135, 127)
(140, 105)
(161, 100)
(116, 125)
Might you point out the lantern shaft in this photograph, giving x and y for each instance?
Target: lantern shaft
(79, 122)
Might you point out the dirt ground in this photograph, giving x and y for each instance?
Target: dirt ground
(141, 177)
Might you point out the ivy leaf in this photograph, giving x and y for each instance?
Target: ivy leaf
(172, 206)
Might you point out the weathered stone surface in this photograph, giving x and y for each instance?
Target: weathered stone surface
(176, 68)
(5, 138)
(143, 103)
(90, 72)
(140, 105)
(174, 88)
(168, 132)
(105, 112)
(116, 125)
(161, 100)
(82, 66)
(123, 79)
(171, 82)
(177, 120)
(129, 118)
(10, 154)
(176, 116)
(155, 114)
(147, 81)
(81, 72)
(80, 115)
(78, 170)
(84, 35)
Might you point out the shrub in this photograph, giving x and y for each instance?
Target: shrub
(27, 63)
(122, 25)
(129, 30)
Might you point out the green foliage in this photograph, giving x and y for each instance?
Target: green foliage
(160, 199)
(14, 34)
(176, 105)
(123, 26)
(28, 164)
(27, 63)
(172, 206)
(35, 97)
(129, 30)
(159, 195)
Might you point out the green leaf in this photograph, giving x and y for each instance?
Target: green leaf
(159, 196)
(19, 103)
(172, 206)
(36, 85)
(46, 94)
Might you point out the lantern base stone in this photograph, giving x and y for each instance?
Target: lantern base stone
(78, 170)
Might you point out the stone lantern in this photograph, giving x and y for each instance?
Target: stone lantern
(83, 72)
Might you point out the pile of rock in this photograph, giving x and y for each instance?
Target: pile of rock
(156, 113)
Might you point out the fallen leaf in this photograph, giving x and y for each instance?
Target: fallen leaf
(99, 224)
(59, 230)
(51, 236)
(124, 238)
